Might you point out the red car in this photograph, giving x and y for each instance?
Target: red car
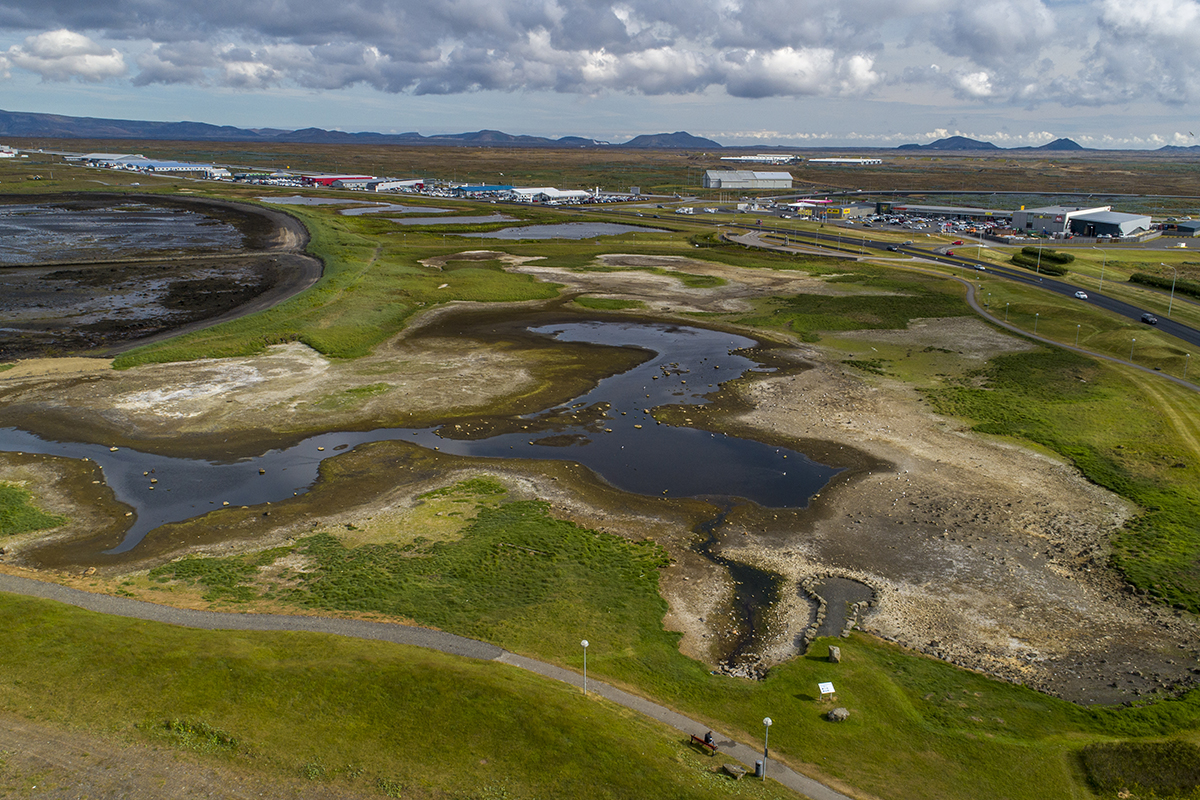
(956, 244)
(949, 252)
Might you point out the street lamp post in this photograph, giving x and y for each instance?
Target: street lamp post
(1103, 263)
(1077, 335)
(766, 743)
(1187, 359)
(1038, 269)
(1174, 277)
(1131, 343)
(585, 644)
(1036, 316)
(1006, 312)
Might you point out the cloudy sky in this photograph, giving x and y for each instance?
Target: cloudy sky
(1107, 73)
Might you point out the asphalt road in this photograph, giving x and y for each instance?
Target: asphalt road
(853, 239)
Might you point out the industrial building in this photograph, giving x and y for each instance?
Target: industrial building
(1051, 219)
(1108, 223)
(765, 158)
(1189, 227)
(746, 179)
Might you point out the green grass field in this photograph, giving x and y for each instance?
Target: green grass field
(513, 574)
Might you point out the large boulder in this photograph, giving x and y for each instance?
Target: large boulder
(838, 714)
(835, 654)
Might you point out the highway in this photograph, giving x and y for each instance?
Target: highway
(855, 238)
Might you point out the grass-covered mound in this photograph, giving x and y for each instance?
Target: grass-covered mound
(17, 515)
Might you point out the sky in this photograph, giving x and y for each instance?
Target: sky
(802, 73)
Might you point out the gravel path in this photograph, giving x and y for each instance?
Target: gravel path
(404, 634)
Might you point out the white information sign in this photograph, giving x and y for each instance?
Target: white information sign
(826, 688)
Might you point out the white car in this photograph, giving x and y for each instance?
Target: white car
(1081, 295)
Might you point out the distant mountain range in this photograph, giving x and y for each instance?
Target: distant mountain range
(20, 125)
(963, 143)
(55, 126)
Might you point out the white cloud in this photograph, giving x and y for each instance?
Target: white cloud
(62, 55)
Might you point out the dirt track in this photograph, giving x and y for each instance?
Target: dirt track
(982, 553)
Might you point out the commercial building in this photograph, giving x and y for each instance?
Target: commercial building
(1108, 223)
(330, 180)
(847, 211)
(746, 179)
(1051, 219)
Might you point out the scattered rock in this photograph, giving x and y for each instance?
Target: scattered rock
(734, 771)
(835, 654)
(838, 714)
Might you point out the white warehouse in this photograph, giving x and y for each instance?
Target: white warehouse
(746, 179)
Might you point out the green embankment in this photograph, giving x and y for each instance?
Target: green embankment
(516, 576)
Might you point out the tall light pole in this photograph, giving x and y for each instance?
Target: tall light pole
(1103, 263)
(1174, 277)
(1038, 269)
(766, 743)
(1131, 343)
(1077, 335)
(1036, 316)
(1006, 312)
(585, 644)
(1187, 359)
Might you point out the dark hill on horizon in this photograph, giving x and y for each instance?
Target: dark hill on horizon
(958, 143)
(56, 126)
(28, 125)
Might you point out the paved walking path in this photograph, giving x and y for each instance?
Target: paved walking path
(405, 634)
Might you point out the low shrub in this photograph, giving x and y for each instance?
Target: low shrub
(1154, 769)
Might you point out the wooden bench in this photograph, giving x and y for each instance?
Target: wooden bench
(712, 748)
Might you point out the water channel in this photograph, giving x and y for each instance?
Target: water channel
(610, 430)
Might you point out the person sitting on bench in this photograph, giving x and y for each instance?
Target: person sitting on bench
(708, 739)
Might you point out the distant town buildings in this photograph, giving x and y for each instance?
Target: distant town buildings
(853, 162)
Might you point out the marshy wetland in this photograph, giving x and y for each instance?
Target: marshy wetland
(974, 546)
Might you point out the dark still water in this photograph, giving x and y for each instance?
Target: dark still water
(609, 430)
(71, 232)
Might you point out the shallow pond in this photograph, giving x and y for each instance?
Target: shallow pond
(567, 230)
(608, 430)
(44, 232)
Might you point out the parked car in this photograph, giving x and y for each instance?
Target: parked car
(1081, 295)
(1149, 319)
(957, 242)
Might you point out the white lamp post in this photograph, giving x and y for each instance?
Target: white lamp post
(766, 743)
(585, 644)
(1077, 336)
(1174, 277)
(1131, 343)
(1036, 316)
(1103, 263)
